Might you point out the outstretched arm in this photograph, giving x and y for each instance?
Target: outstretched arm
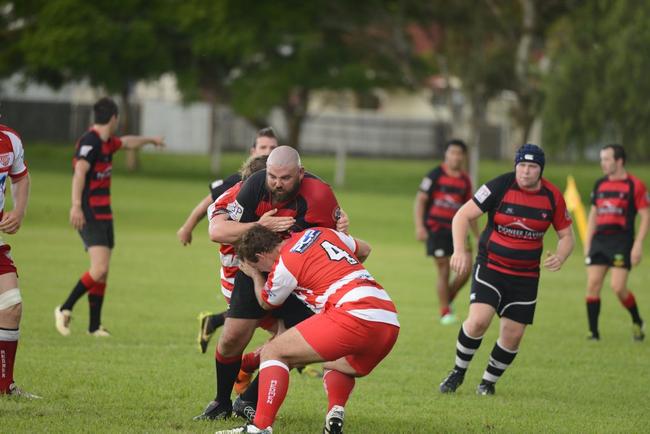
(184, 234)
(136, 142)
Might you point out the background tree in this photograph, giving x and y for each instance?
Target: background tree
(110, 45)
(597, 87)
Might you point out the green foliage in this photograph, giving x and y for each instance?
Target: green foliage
(149, 377)
(597, 87)
(112, 45)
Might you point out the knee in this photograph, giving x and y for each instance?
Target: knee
(620, 291)
(270, 352)
(593, 287)
(231, 342)
(476, 327)
(10, 316)
(99, 273)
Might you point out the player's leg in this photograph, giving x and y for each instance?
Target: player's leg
(10, 313)
(595, 276)
(100, 257)
(442, 287)
(503, 354)
(484, 300)
(626, 297)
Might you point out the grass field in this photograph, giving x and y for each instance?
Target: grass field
(149, 377)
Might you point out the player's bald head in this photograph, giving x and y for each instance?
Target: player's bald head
(284, 156)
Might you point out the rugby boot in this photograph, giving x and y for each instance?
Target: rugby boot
(452, 381)
(485, 388)
(334, 420)
(215, 411)
(244, 409)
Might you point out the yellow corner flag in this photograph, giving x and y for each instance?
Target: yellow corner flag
(574, 205)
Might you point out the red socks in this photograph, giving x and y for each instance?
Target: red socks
(629, 301)
(338, 387)
(8, 345)
(274, 382)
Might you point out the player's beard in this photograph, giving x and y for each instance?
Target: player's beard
(284, 195)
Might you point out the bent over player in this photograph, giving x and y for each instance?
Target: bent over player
(12, 166)
(355, 326)
(615, 201)
(521, 207)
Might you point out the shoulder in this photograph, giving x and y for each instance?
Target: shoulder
(90, 138)
(636, 181)
(313, 186)
(6, 129)
(551, 187)
(232, 179)
(9, 139)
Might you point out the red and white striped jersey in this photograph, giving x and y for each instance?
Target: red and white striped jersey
(12, 160)
(320, 266)
(227, 256)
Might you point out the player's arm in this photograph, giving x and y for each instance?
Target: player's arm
(136, 142)
(224, 230)
(343, 222)
(12, 220)
(591, 229)
(419, 205)
(363, 250)
(460, 262)
(184, 234)
(81, 168)
(565, 242)
(637, 247)
(258, 280)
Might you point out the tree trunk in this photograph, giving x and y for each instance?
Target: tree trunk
(132, 156)
(216, 142)
(295, 112)
(527, 98)
(477, 121)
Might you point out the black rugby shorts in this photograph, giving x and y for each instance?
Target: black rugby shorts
(612, 250)
(98, 233)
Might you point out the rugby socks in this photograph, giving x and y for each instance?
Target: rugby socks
(630, 304)
(593, 311)
(251, 361)
(227, 369)
(338, 387)
(444, 311)
(466, 346)
(83, 285)
(95, 301)
(274, 382)
(252, 391)
(500, 359)
(8, 345)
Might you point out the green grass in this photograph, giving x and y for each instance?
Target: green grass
(149, 377)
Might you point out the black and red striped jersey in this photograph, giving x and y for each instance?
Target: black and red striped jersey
(512, 241)
(445, 195)
(313, 205)
(220, 186)
(96, 196)
(617, 203)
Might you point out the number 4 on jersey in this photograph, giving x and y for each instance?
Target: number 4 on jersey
(337, 254)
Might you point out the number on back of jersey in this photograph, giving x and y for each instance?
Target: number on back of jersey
(337, 254)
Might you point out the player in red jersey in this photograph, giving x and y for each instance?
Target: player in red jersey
(12, 166)
(265, 141)
(521, 207)
(442, 192)
(282, 198)
(91, 213)
(354, 328)
(616, 200)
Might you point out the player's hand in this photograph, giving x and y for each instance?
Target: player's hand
(276, 224)
(460, 262)
(77, 219)
(10, 222)
(248, 269)
(636, 254)
(158, 141)
(343, 222)
(552, 262)
(184, 236)
(421, 233)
